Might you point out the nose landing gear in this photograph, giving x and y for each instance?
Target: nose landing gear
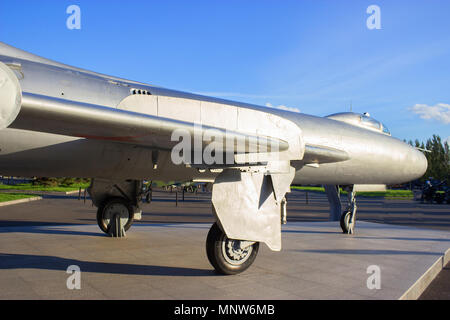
(348, 217)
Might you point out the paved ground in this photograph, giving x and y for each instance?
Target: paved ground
(46, 216)
(168, 261)
(57, 209)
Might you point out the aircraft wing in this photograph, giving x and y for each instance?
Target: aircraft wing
(71, 118)
(59, 116)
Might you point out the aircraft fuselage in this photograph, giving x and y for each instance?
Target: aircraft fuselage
(374, 158)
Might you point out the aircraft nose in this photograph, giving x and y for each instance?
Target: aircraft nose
(418, 163)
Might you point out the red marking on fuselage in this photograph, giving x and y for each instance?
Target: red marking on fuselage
(128, 139)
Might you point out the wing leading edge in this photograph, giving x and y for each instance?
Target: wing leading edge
(59, 116)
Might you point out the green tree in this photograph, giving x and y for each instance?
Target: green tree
(438, 158)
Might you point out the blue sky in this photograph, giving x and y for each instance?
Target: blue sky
(314, 55)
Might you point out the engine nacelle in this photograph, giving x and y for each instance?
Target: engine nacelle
(10, 96)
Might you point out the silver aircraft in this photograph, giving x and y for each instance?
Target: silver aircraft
(61, 121)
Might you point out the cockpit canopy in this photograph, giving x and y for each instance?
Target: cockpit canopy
(360, 120)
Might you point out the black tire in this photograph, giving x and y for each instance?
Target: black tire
(216, 244)
(101, 221)
(345, 217)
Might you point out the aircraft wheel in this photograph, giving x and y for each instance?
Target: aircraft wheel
(227, 255)
(111, 207)
(345, 222)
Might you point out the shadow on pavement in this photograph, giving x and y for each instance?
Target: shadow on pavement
(24, 261)
(373, 252)
(43, 228)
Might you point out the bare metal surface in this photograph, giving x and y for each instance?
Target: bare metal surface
(334, 200)
(320, 154)
(369, 187)
(246, 207)
(60, 116)
(10, 96)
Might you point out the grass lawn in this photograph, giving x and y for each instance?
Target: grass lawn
(318, 189)
(14, 196)
(29, 186)
(388, 194)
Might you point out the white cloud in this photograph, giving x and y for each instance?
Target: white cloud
(439, 112)
(281, 107)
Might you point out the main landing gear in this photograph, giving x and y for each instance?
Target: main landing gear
(229, 256)
(115, 208)
(118, 207)
(348, 217)
(117, 203)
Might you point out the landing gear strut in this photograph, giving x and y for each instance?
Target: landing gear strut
(229, 256)
(348, 217)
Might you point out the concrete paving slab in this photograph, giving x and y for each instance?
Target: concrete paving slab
(168, 261)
